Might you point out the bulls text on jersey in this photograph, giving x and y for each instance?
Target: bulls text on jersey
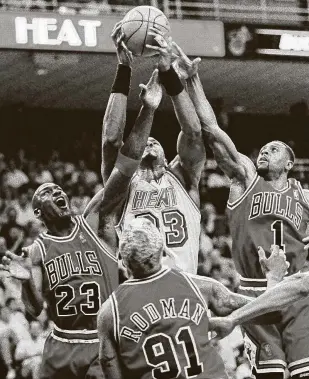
(264, 203)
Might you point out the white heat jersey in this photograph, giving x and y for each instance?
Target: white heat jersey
(168, 205)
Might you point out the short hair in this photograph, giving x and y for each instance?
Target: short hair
(141, 246)
(289, 150)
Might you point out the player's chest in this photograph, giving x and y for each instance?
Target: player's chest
(157, 196)
(289, 206)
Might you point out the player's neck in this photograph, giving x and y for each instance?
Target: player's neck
(278, 182)
(149, 273)
(151, 172)
(63, 227)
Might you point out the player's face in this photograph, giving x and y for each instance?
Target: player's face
(54, 203)
(274, 158)
(154, 151)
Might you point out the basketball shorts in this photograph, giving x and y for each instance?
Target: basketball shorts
(285, 344)
(70, 359)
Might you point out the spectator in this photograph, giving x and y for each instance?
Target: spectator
(15, 178)
(17, 320)
(11, 230)
(29, 352)
(6, 345)
(24, 209)
(43, 175)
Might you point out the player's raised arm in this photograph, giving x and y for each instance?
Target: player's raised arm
(276, 298)
(27, 268)
(232, 163)
(190, 145)
(108, 352)
(115, 115)
(222, 301)
(129, 158)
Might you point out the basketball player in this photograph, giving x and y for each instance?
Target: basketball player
(264, 208)
(70, 267)
(166, 194)
(155, 324)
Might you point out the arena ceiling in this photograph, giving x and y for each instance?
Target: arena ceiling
(83, 81)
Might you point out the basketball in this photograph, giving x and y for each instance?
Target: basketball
(135, 27)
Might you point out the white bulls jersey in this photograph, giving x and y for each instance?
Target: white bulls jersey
(167, 204)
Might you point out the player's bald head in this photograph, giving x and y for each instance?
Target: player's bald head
(288, 150)
(141, 247)
(36, 203)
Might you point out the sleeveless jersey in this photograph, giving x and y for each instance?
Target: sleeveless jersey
(264, 216)
(160, 328)
(79, 274)
(168, 205)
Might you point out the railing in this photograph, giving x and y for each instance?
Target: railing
(251, 11)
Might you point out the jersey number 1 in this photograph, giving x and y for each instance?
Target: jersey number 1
(277, 229)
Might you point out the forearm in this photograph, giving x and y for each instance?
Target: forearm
(201, 104)
(32, 298)
(186, 114)
(136, 141)
(114, 120)
(276, 298)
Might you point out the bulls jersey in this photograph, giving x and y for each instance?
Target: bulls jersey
(161, 325)
(79, 274)
(167, 204)
(264, 216)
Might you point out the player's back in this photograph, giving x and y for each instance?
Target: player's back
(168, 205)
(264, 216)
(79, 274)
(161, 328)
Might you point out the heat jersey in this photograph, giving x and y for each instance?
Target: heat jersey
(168, 205)
(264, 216)
(79, 274)
(161, 326)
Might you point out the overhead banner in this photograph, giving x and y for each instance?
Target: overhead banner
(51, 31)
(249, 41)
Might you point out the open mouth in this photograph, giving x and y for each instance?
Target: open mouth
(263, 161)
(61, 203)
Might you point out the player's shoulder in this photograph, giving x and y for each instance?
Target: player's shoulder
(36, 251)
(306, 193)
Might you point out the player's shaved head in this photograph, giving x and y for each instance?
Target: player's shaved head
(141, 247)
(36, 203)
(288, 149)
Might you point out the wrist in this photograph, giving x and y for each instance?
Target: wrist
(273, 279)
(122, 80)
(171, 82)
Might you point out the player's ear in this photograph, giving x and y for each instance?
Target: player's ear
(37, 213)
(165, 162)
(289, 165)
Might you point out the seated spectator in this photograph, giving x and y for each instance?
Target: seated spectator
(29, 352)
(79, 200)
(14, 177)
(7, 342)
(24, 209)
(43, 175)
(17, 320)
(11, 230)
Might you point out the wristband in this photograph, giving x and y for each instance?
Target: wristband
(127, 166)
(171, 82)
(122, 80)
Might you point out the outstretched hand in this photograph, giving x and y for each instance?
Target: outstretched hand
(276, 265)
(124, 55)
(151, 93)
(184, 67)
(164, 48)
(17, 266)
(223, 326)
